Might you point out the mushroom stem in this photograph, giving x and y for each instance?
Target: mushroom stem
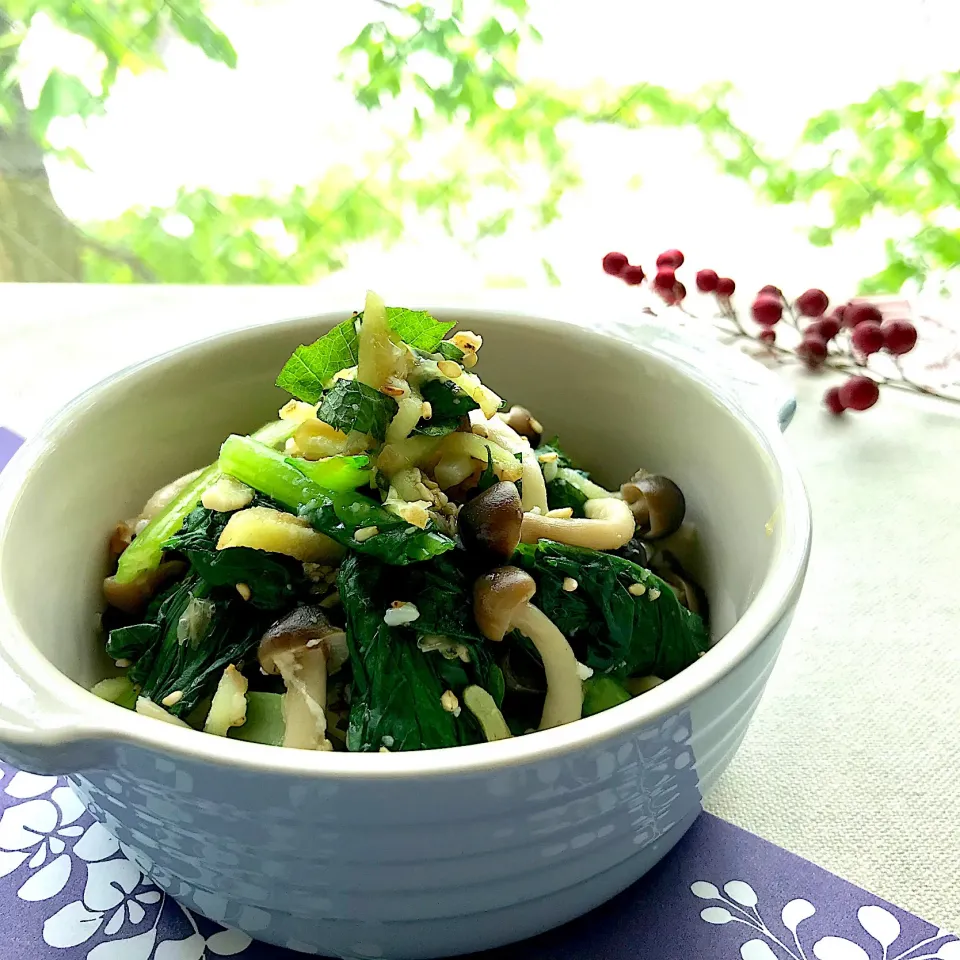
(564, 701)
(304, 675)
(608, 525)
(534, 486)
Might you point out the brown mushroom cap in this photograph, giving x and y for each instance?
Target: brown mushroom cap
(489, 524)
(658, 505)
(521, 420)
(303, 628)
(497, 596)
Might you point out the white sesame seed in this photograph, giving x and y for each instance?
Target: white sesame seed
(244, 591)
(469, 360)
(172, 699)
(365, 533)
(123, 663)
(426, 411)
(583, 671)
(548, 457)
(561, 513)
(637, 589)
(569, 584)
(449, 702)
(654, 594)
(450, 368)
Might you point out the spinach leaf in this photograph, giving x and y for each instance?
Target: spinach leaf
(621, 633)
(307, 372)
(274, 579)
(341, 515)
(130, 643)
(230, 636)
(396, 687)
(450, 405)
(351, 405)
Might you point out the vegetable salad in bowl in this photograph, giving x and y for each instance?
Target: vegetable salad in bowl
(399, 562)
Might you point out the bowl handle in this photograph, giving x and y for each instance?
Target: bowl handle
(766, 396)
(41, 735)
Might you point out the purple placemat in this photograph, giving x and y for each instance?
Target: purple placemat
(68, 891)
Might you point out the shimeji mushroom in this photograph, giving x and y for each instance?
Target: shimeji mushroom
(501, 603)
(304, 648)
(522, 421)
(489, 524)
(608, 524)
(657, 503)
(533, 485)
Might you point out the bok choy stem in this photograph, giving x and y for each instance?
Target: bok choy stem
(143, 555)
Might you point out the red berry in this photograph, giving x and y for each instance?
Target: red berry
(768, 335)
(833, 401)
(868, 337)
(665, 279)
(772, 290)
(707, 281)
(632, 274)
(826, 327)
(857, 313)
(859, 393)
(899, 336)
(838, 313)
(813, 303)
(679, 291)
(615, 264)
(670, 258)
(725, 287)
(767, 310)
(813, 350)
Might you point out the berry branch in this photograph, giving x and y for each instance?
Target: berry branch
(845, 341)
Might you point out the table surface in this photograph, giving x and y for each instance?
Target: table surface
(853, 758)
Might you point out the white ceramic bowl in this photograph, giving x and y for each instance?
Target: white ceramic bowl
(416, 854)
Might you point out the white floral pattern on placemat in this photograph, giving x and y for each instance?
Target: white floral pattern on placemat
(99, 903)
(878, 928)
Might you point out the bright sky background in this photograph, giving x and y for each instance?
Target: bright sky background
(281, 118)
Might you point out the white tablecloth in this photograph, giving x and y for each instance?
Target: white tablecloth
(853, 759)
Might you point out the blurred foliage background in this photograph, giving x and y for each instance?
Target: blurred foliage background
(445, 134)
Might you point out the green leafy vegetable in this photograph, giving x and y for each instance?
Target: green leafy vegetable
(352, 405)
(130, 643)
(274, 580)
(306, 374)
(449, 351)
(338, 514)
(194, 666)
(290, 482)
(488, 478)
(397, 689)
(144, 554)
(264, 723)
(601, 693)
(312, 367)
(569, 486)
(417, 328)
(450, 405)
(619, 632)
(341, 515)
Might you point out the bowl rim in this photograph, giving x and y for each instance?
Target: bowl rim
(79, 718)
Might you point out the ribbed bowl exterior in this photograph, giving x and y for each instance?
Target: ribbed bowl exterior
(402, 868)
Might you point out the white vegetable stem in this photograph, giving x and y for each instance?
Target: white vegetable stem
(608, 525)
(304, 674)
(533, 487)
(564, 701)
